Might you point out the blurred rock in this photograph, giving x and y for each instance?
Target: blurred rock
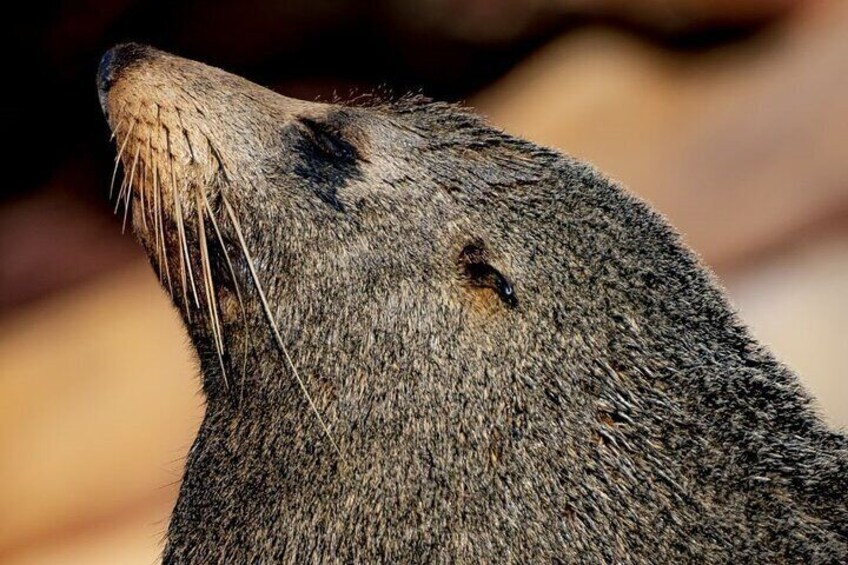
(497, 21)
(132, 538)
(679, 16)
(56, 238)
(98, 407)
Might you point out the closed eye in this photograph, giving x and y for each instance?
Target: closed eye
(479, 273)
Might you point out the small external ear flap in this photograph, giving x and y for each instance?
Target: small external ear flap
(325, 154)
(475, 266)
(328, 138)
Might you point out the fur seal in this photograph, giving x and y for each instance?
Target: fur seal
(424, 340)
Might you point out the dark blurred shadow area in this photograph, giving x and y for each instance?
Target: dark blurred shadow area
(729, 116)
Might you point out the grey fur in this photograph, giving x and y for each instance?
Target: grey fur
(619, 412)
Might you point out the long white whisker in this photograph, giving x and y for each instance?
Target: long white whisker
(270, 317)
(210, 289)
(117, 129)
(232, 270)
(120, 123)
(182, 240)
(130, 189)
(120, 197)
(157, 213)
(118, 158)
(164, 263)
(185, 258)
(142, 191)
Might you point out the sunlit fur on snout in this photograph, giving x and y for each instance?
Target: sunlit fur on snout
(175, 122)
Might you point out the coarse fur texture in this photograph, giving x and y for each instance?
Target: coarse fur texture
(423, 340)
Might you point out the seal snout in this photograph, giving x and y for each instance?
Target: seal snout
(113, 62)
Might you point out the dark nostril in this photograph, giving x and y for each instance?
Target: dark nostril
(104, 71)
(117, 59)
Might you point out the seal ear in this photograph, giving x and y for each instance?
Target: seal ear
(326, 154)
(476, 269)
(328, 138)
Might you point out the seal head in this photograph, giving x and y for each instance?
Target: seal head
(422, 339)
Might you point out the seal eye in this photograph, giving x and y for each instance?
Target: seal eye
(476, 269)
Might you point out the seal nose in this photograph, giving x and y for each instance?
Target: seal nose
(114, 61)
(104, 71)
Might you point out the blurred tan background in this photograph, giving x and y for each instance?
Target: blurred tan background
(730, 116)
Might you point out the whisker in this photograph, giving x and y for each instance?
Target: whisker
(208, 284)
(116, 130)
(118, 158)
(164, 263)
(159, 217)
(185, 248)
(130, 189)
(120, 197)
(185, 258)
(208, 207)
(119, 112)
(186, 136)
(270, 317)
(142, 191)
(157, 220)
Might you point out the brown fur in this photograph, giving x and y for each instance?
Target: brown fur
(503, 355)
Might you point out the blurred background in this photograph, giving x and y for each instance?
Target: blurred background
(729, 116)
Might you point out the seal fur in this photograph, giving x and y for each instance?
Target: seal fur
(424, 340)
